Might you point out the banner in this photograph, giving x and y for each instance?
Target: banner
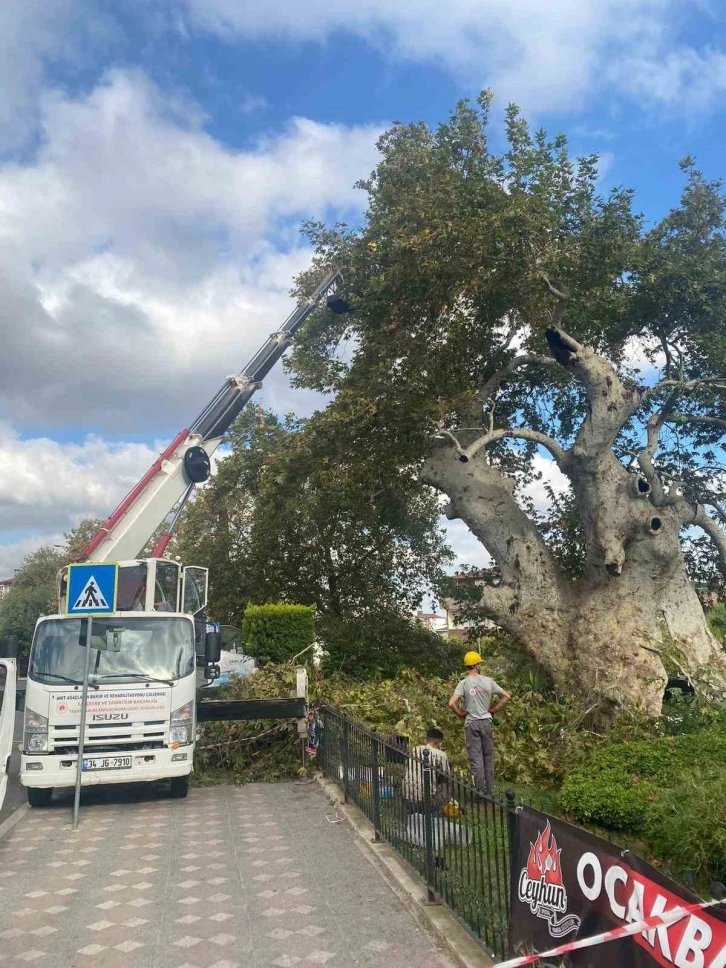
(568, 884)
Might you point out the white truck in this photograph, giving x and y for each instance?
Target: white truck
(142, 697)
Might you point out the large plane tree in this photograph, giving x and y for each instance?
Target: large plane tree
(505, 312)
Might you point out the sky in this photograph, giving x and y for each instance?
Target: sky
(158, 156)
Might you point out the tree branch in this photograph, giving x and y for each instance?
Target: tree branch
(704, 521)
(517, 433)
(688, 385)
(685, 418)
(495, 381)
(611, 403)
(563, 297)
(514, 433)
(719, 508)
(645, 458)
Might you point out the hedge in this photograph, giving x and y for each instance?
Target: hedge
(277, 633)
(620, 785)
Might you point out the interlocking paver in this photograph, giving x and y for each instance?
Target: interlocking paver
(275, 885)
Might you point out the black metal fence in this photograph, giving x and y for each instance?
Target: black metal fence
(455, 837)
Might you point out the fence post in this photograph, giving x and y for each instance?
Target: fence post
(428, 825)
(511, 822)
(323, 742)
(376, 790)
(346, 783)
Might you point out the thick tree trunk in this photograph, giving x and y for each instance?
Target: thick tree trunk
(613, 637)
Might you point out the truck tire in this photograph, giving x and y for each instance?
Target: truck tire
(179, 786)
(39, 796)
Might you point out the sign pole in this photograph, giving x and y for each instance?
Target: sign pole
(82, 730)
(92, 590)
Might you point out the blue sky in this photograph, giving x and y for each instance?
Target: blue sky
(157, 156)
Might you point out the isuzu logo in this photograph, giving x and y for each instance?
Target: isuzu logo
(109, 717)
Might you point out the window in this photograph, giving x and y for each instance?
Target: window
(166, 590)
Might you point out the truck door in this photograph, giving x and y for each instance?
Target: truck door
(7, 719)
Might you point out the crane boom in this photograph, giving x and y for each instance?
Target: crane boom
(186, 461)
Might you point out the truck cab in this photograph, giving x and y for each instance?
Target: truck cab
(141, 720)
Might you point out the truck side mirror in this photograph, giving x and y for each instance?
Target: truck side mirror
(212, 655)
(9, 647)
(213, 647)
(19, 702)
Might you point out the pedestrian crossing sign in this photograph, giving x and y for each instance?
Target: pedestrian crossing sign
(91, 589)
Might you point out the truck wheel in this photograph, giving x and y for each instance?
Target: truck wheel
(179, 786)
(39, 796)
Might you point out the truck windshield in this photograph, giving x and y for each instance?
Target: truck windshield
(131, 648)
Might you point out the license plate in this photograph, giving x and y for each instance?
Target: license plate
(107, 763)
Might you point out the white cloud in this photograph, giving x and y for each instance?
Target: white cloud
(546, 56)
(30, 32)
(12, 554)
(46, 485)
(141, 261)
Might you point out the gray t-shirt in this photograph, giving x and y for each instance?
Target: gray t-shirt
(477, 692)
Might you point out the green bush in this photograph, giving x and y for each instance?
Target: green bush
(687, 827)
(619, 784)
(663, 760)
(277, 633)
(608, 798)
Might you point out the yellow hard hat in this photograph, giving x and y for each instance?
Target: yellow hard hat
(472, 659)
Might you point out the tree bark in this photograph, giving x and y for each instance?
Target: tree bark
(613, 636)
(528, 602)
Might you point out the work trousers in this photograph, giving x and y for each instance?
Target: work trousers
(480, 747)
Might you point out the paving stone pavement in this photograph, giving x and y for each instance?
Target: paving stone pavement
(232, 877)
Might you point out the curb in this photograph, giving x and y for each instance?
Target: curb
(13, 819)
(408, 885)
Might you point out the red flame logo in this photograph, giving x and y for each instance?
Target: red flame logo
(543, 862)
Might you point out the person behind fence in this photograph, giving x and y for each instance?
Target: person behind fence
(475, 691)
(413, 781)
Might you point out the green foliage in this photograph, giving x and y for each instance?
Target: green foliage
(291, 517)
(717, 621)
(608, 798)
(255, 750)
(687, 826)
(451, 278)
(667, 791)
(619, 783)
(380, 644)
(277, 633)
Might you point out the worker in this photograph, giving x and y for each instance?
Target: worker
(476, 692)
(413, 788)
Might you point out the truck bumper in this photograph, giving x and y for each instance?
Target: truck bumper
(50, 770)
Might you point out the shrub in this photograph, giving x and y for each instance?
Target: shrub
(608, 798)
(619, 784)
(276, 633)
(687, 827)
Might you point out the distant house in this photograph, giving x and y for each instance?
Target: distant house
(436, 622)
(5, 585)
(456, 625)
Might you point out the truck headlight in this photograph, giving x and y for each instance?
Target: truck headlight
(35, 732)
(180, 733)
